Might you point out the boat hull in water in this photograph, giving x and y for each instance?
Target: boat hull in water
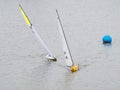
(66, 49)
(49, 57)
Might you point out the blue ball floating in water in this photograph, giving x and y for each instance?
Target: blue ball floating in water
(107, 39)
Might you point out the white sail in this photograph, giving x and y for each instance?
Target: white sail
(40, 40)
(28, 22)
(68, 57)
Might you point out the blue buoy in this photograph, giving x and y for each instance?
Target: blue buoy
(107, 39)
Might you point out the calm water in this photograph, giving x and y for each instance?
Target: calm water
(22, 60)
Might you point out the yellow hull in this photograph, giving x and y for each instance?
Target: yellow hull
(74, 68)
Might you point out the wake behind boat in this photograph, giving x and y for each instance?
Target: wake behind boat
(66, 49)
(50, 55)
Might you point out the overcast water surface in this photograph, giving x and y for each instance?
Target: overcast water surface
(22, 59)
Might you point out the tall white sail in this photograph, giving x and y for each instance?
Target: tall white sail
(49, 56)
(67, 53)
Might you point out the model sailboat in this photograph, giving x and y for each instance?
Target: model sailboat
(50, 55)
(67, 53)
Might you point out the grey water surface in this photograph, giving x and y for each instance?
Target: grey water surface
(22, 59)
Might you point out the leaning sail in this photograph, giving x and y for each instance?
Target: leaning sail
(34, 30)
(68, 57)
